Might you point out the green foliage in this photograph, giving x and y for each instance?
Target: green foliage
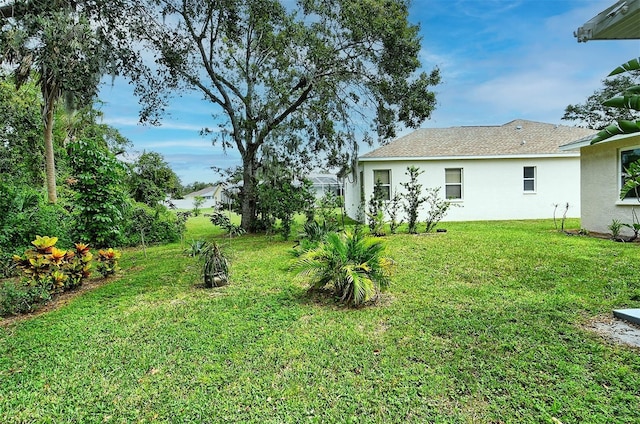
(215, 269)
(99, 200)
(198, 201)
(221, 220)
(25, 213)
(151, 224)
(437, 208)
(21, 148)
(632, 181)
(54, 269)
(313, 233)
(352, 264)
(305, 70)
(151, 179)
(280, 197)
(325, 208)
(375, 210)
(393, 210)
(108, 261)
(18, 297)
(594, 113)
(626, 102)
(196, 247)
(615, 227)
(413, 197)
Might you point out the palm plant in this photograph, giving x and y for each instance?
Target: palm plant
(630, 99)
(351, 263)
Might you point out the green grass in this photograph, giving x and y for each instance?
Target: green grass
(482, 324)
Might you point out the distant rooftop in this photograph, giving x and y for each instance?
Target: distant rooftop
(516, 138)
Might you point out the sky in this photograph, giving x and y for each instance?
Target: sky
(499, 60)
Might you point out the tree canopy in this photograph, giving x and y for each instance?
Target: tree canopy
(308, 80)
(593, 113)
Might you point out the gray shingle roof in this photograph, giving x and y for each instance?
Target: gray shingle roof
(516, 138)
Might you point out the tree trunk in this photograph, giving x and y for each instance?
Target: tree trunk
(249, 194)
(50, 166)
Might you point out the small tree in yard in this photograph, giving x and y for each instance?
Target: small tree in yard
(393, 210)
(375, 213)
(198, 201)
(437, 208)
(413, 197)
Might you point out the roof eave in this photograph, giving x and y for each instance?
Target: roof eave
(441, 158)
(618, 22)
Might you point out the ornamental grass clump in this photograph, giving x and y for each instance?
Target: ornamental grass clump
(353, 265)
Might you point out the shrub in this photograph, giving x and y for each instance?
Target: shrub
(215, 270)
(54, 269)
(353, 265)
(437, 208)
(19, 298)
(108, 261)
(100, 197)
(25, 213)
(221, 220)
(375, 211)
(313, 233)
(393, 210)
(413, 198)
(155, 225)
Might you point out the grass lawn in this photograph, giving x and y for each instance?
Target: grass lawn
(482, 324)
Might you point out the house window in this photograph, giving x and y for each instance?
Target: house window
(361, 186)
(529, 178)
(627, 157)
(453, 183)
(382, 179)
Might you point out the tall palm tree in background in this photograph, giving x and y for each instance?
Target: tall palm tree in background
(54, 42)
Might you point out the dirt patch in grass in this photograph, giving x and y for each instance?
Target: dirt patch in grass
(615, 330)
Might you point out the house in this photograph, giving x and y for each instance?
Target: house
(602, 171)
(510, 171)
(212, 195)
(603, 164)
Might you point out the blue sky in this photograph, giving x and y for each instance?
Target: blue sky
(500, 60)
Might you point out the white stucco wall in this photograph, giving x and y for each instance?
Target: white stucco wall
(600, 186)
(492, 188)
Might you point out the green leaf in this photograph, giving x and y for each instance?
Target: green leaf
(617, 128)
(632, 65)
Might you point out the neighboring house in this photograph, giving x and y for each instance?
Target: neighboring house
(323, 183)
(212, 196)
(602, 168)
(511, 171)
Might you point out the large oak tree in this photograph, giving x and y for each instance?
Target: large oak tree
(306, 79)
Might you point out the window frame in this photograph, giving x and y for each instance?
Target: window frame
(631, 199)
(385, 186)
(456, 184)
(533, 179)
